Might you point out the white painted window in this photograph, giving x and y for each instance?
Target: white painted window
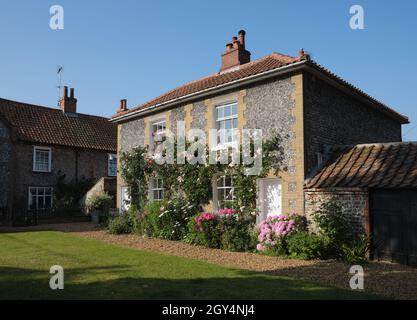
(42, 159)
(157, 189)
(226, 123)
(158, 132)
(40, 198)
(112, 165)
(224, 192)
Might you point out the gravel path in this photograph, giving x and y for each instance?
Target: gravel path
(381, 278)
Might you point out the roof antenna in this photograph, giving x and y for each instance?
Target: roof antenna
(59, 71)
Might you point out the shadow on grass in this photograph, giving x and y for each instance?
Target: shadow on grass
(121, 282)
(63, 227)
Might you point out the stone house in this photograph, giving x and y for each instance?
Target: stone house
(311, 107)
(39, 144)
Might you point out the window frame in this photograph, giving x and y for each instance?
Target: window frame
(158, 132)
(109, 158)
(39, 148)
(37, 196)
(218, 120)
(217, 204)
(158, 189)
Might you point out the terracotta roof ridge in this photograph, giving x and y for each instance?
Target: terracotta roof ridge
(28, 104)
(274, 55)
(22, 104)
(284, 56)
(386, 144)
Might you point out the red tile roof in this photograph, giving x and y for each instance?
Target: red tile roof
(256, 67)
(380, 165)
(270, 62)
(39, 124)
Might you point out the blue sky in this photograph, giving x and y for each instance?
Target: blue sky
(140, 49)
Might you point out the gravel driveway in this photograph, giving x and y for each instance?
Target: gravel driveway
(381, 278)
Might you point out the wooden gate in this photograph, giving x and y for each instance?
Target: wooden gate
(394, 225)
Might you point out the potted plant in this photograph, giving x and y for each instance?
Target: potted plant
(100, 205)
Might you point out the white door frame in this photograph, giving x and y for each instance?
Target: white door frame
(260, 197)
(122, 193)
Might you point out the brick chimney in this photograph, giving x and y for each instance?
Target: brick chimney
(68, 104)
(235, 54)
(122, 106)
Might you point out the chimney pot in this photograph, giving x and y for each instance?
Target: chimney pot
(242, 34)
(68, 103)
(235, 54)
(123, 106)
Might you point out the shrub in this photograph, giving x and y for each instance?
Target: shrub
(332, 223)
(356, 251)
(227, 229)
(148, 220)
(235, 232)
(101, 202)
(203, 230)
(305, 245)
(120, 225)
(273, 233)
(166, 219)
(343, 243)
(126, 222)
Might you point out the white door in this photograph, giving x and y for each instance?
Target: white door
(270, 198)
(125, 203)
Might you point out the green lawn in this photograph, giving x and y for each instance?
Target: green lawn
(98, 270)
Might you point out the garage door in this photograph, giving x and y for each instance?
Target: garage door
(394, 221)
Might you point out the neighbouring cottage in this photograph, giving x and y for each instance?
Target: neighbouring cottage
(40, 145)
(311, 107)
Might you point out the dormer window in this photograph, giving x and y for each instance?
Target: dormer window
(42, 159)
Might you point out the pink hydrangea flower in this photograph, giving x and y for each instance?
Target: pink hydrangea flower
(274, 229)
(227, 211)
(206, 216)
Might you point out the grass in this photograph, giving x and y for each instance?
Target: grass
(96, 270)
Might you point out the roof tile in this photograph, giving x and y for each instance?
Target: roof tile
(39, 124)
(380, 165)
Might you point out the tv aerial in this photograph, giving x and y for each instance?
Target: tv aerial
(59, 72)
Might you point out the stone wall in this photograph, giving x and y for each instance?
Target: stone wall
(177, 114)
(332, 117)
(269, 107)
(198, 114)
(89, 165)
(5, 164)
(132, 134)
(354, 203)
